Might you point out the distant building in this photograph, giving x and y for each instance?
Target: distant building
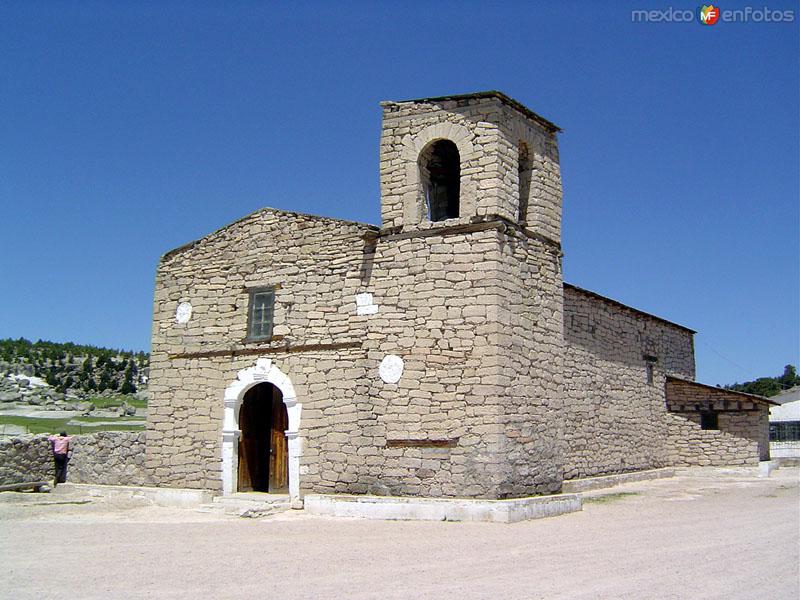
(784, 424)
(439, 354)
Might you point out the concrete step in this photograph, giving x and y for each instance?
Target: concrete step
(245, 504)
(393, 508)
(763, 469)
(606, 481)
(169, 497)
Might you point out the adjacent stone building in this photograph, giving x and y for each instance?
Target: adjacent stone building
(439, 354)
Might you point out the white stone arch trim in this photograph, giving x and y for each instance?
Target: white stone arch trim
(413, 145)
(458, 134)
(264, 371)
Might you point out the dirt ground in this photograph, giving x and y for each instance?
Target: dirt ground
(684, 537)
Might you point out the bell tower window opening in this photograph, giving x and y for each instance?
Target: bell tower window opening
(440, 170)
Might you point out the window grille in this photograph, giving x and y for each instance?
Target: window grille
(784, 431)
(261, 313)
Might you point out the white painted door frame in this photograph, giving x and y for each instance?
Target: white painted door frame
(264, 371)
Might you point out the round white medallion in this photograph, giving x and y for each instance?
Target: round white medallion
(391, 368)
(183, 313)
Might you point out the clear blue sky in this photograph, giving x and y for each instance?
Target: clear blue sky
(128, 128)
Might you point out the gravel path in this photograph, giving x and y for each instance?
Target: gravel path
(684, 537)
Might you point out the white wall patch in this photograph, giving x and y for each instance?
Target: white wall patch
(391, 368)
(365, 304)
(183, 313)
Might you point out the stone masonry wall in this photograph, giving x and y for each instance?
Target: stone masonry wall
(532, 354)
(409, 126)
(438, 299)
(317, 265)
(438, 312)
(615, 421)
(106, 458)
(446, 310)
(739, 441)
(743, 435)
(540, 209)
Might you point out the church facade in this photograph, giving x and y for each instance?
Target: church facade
(439, 354)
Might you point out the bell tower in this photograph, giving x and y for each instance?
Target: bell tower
(461, 159)
(471, 298)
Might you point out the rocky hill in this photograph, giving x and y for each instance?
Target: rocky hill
(75, 367)
(64, 375)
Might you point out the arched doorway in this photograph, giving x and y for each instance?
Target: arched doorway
(263, 464)
(263, 371)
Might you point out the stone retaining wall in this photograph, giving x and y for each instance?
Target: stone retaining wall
(108, 458)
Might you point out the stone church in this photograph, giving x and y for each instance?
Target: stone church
(439, 354)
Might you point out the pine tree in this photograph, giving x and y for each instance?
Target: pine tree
(789, 379)
(128, 386)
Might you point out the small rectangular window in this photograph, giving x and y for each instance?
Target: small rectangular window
(261, 313)
(650, 367)
(709, 420)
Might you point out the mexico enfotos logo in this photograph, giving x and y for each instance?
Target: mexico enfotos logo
(712, 14)
(708, 15)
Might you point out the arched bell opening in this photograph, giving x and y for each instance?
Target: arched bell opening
(440, 174)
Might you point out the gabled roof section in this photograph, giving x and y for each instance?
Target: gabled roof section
(723, 391)
(179, 249)
(508, 101)
(626, 307)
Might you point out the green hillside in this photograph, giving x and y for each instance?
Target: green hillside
(81, 368)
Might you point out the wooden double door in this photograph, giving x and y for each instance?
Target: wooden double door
(263, 450)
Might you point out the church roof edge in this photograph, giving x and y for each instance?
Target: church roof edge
(625, 306)
(179, 249)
